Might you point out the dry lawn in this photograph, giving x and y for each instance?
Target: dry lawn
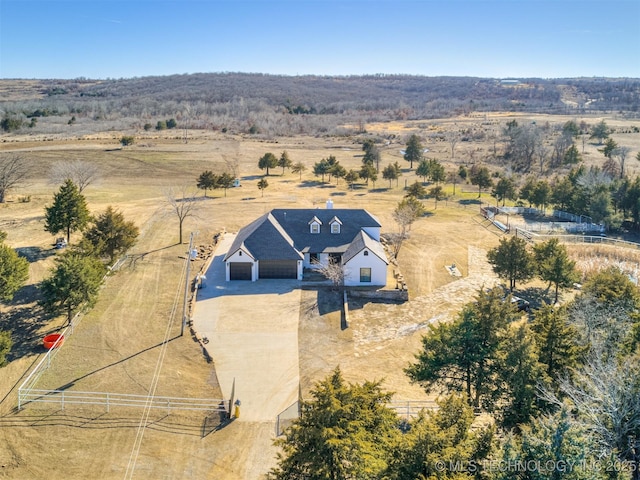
(117, 344)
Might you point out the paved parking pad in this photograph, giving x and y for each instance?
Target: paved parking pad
(252, 333)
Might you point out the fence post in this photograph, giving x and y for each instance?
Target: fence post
(62, 400)
(107, 402)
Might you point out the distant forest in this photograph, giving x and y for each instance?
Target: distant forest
(276, 104)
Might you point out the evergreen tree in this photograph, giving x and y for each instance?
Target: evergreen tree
(14, 271)
(207, 181)
(503, 190)
(554, 265)
(423, 169)
(600, 131)
(526, 191)
(390, 173)
(351, 177)
(481, 177)
(225, 181)
(511, 260)
(344, 433)
(416, 190)
(321, 168)
(437, 193)
(541, 195)
(298, 168)
(284, 161)
(553, 447)
(398, 171)
(111, 235)
(267, 161)
(5, 347)
(414, 150)
(368, 172)
(557, 341)
(440, 444)
(612, 286)
(463, 355)
(73, 284)
(437, 172)
(69, 211)
(338, 171)
(572, 155)
(609, 148)
(520, 373)
(371, 155)
(262, 185)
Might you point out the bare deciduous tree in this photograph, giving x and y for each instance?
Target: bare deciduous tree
(332, 270)
(453, 139)
(183, 204)
(13, 170)
(407, 212)
(621, 154)
(79, 172)
(232, 166)
(606, 395)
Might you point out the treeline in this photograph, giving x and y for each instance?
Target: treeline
(557, 390)
(239, 100)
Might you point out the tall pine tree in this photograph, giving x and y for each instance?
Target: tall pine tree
(69, 211)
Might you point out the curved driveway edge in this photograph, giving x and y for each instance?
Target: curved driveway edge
(252, 333)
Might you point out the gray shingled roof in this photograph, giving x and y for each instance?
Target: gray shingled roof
(265, 239)
(363, 240)
(296, 223)
(283, 233)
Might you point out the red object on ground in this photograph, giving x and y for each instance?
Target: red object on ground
(50, 340)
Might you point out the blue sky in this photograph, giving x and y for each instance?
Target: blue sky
(485, 38)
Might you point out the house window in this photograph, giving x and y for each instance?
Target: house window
(335, 227)
(365, 275)
(313, 258)
(366, 253)
(240, 253)
(315, 228)
(335, 258)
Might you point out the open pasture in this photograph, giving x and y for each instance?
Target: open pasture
(116, 346)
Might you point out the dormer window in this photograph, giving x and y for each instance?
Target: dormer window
(314, 225)
(335, 225)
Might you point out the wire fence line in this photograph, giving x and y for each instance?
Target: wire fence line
(28, 393)
(64, 398)
(411, 408)
(405, 409)
(31, 381)
(536, 237)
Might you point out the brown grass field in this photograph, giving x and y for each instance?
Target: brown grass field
(117, 344)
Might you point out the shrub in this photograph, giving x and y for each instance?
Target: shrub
(5, 347)
(127, 140)
(10, 124)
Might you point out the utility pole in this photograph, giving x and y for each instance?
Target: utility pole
(186, 285)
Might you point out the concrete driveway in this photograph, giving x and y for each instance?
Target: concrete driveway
(252, 332)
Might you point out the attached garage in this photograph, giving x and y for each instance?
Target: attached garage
(278, 269)
(240, 271)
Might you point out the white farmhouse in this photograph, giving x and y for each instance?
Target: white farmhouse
(283, 242)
